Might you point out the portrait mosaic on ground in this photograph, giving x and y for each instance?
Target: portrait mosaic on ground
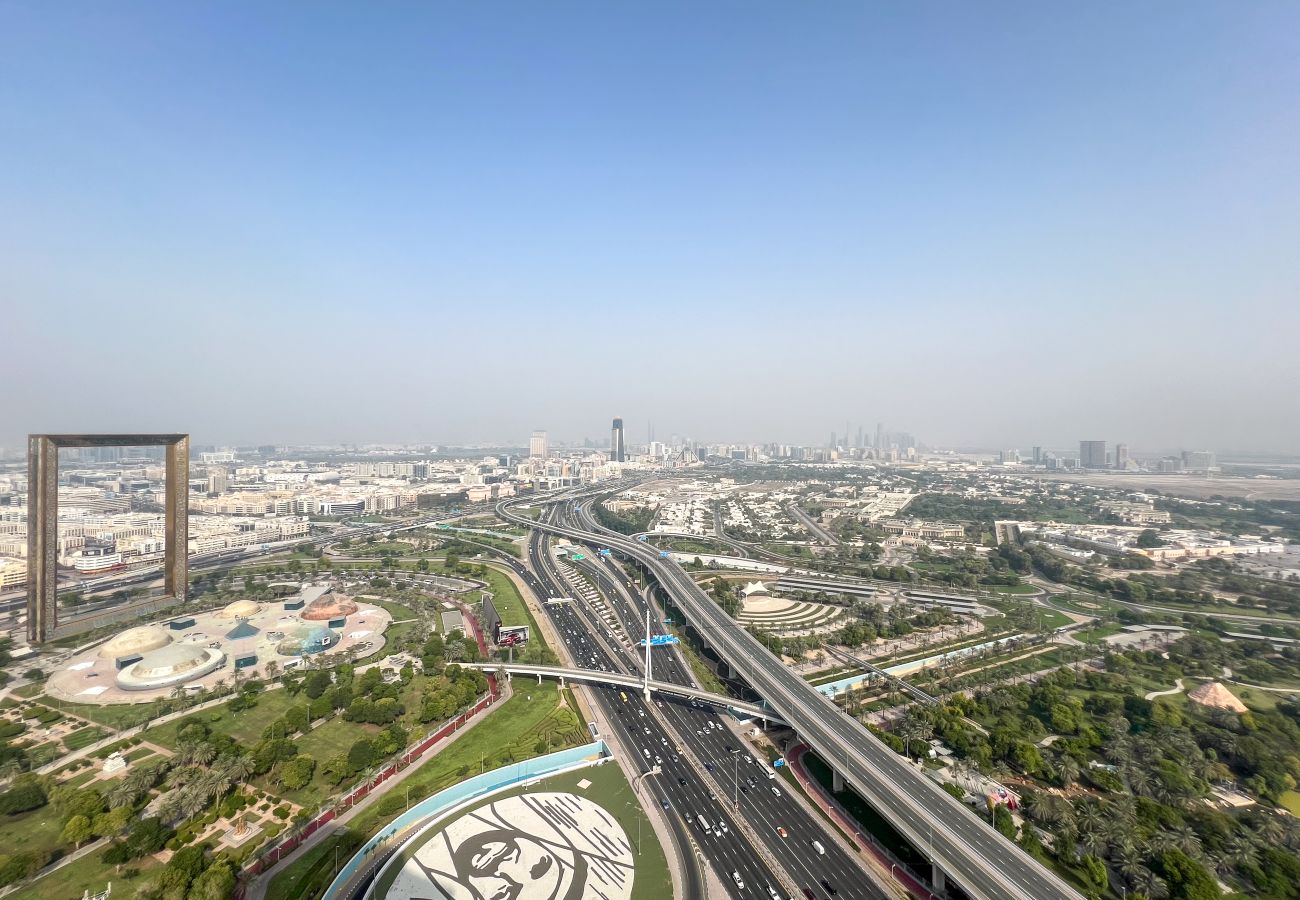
(538, 846)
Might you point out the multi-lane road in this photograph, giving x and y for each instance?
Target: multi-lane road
(705, 770)
(963, 847)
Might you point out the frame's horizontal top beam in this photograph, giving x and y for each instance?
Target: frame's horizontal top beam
(112, 440)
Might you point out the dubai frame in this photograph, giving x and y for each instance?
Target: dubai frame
(43, 529)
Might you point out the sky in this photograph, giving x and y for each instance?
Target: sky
(989, 225)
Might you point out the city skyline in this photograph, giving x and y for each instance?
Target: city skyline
(952, 219)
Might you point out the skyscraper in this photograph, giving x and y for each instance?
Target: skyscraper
(538, 448)
(617, 449)
(1092, 454)
(880, 436)
(1038, 456)
(1121, 456)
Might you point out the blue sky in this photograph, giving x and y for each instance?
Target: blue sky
(983, 223)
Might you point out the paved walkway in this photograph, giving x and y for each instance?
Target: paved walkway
(1176, 689)
(256, 889)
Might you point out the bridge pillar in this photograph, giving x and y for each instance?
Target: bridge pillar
(561, 682)
(837, 781)
(938, 881)
(539, 677)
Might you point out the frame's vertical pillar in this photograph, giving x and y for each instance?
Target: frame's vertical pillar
(42, 537)
(176, 556)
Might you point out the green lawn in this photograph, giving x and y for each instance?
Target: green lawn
(83, 738)
(1010, 588)
(36, 830)
(1291, 800)
(117, 716)
(1099, 633)
(245, 726)
(88, 873)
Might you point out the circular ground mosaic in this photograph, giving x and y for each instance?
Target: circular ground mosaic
(534, 846)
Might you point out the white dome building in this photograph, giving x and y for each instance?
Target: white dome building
(135, 641)
(240, 609)
(169, 666)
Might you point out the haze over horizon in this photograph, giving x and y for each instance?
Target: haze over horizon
(988, 226)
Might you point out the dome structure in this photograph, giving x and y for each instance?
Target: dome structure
(306, 640)
(135, 641)
(170, 665)
(330, 606)
(240, 609)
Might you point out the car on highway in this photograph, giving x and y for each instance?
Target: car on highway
(830, 888)
(817, 845)
(735, 876)
(776, 791)
(682, 782)
(781, 831)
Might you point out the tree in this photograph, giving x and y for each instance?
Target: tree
(77, 831)
(1187, 879)
(1148, 539)
(216, 883)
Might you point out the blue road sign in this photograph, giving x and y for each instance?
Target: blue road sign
(668, 621)
(778, 763)
(603, 552)
(641, 537)
(659, 640)
(664, 554)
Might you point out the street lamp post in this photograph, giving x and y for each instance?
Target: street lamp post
(735, 782)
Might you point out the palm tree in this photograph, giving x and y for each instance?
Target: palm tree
(1151, 884)
(1128, 862)
(1185, 839)
(1050, 809)
(1269, 828)
(1068, 771)
(122, 794)
(1242, 850)
(195, 753)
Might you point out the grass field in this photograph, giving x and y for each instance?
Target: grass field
(117, 716)
(1099, 633)
(1291, 800)
(36, 830)
(245, 726)
(87, 873)
(1010, 588)
(83, 738)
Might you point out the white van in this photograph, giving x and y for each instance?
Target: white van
(817, 845)
(704, 823)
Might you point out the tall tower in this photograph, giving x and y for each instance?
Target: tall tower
(1121, 456)
(617, 449)
(1092, 454)
(880, 436)
(538, 447)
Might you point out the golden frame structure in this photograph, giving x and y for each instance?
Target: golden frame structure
(43, 526)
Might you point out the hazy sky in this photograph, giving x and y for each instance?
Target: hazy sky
(984, 223)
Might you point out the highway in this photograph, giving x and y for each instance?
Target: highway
(963, 847)
(807, 522)
(691, 742)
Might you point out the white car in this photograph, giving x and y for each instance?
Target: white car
(776, 790)
(735, 876)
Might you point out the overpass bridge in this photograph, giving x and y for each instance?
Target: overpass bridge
(985, 864)
(636, 683)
